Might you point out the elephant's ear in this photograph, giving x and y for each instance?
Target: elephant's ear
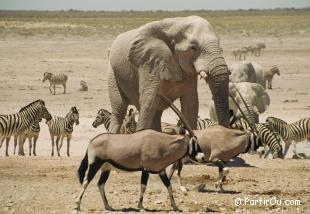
(154, 50)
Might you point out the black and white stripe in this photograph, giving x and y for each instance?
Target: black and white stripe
(61, 127)
(104, 117)
(16, 124)
(59, 79)
(290, 133)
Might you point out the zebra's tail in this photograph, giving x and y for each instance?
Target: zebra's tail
(82, 169)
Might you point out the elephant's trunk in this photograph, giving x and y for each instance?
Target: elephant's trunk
(216, 73)
(219, 87)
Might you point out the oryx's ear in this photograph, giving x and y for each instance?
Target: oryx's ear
(153, 49)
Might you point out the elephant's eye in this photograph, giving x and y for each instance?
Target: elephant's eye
(193, 47)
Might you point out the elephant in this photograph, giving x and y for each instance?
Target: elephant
(242, 72)
(253, 93)
(165, 57)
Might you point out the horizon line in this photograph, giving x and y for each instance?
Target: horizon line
(160, 10)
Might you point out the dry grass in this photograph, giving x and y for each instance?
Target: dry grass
(84, 24)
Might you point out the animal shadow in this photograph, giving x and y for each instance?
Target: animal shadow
(131, 209)
(238, 162)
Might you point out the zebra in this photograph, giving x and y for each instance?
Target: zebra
(104, 117)
(258, 47)
(268, 75)
(270, 140)
(290, 133)
(61, 127)
(59, 79)
(32, 134)
(16, 124)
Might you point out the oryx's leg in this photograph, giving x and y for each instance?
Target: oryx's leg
(90, 174)
(68, 144)
(35, 138)
(53, 144)
(57, 145)
(144, 179)
(165, 180)
(223, 172)
(101, 183)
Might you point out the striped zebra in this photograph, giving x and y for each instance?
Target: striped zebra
(61, 127)
(290, 133)
(104, 117)
(32, 134)
(59, 79)
(16, 124)
(270, 140)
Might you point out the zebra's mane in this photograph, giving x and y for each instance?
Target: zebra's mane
(103, 110)
(33, 103)
(277, 120)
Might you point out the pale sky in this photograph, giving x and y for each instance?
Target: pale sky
(148, 4)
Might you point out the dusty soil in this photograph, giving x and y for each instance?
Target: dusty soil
(47, 184)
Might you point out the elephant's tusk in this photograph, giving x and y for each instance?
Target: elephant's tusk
(203, 75)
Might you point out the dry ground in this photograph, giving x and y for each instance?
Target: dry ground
(47, 184)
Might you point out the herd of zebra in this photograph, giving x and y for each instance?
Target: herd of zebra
(25, 125)
(269, 135)
(244, 51)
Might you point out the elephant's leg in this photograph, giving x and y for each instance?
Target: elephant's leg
(148, 88)
(189, 106)
(157, 121)
(119, 104)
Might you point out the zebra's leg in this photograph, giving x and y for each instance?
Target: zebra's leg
(57, 147)
(295, 155)
(144, 179)
(266, 152)
(68, 145)
(7, 141)
(64, 85)
(21, 145)
(50, 88)
(287, 146)
(35, 138)
(1, 141)
(165, 180)
(30, 145)
(54, 86)
(222, 174)
(15, 143)
(53, 144)
(61, 142)
(101, 183)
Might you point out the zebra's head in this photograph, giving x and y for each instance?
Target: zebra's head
(102, 116)
(129, 122)
(46, 76)
(44, 113)
(75, 116)
(277, 150)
